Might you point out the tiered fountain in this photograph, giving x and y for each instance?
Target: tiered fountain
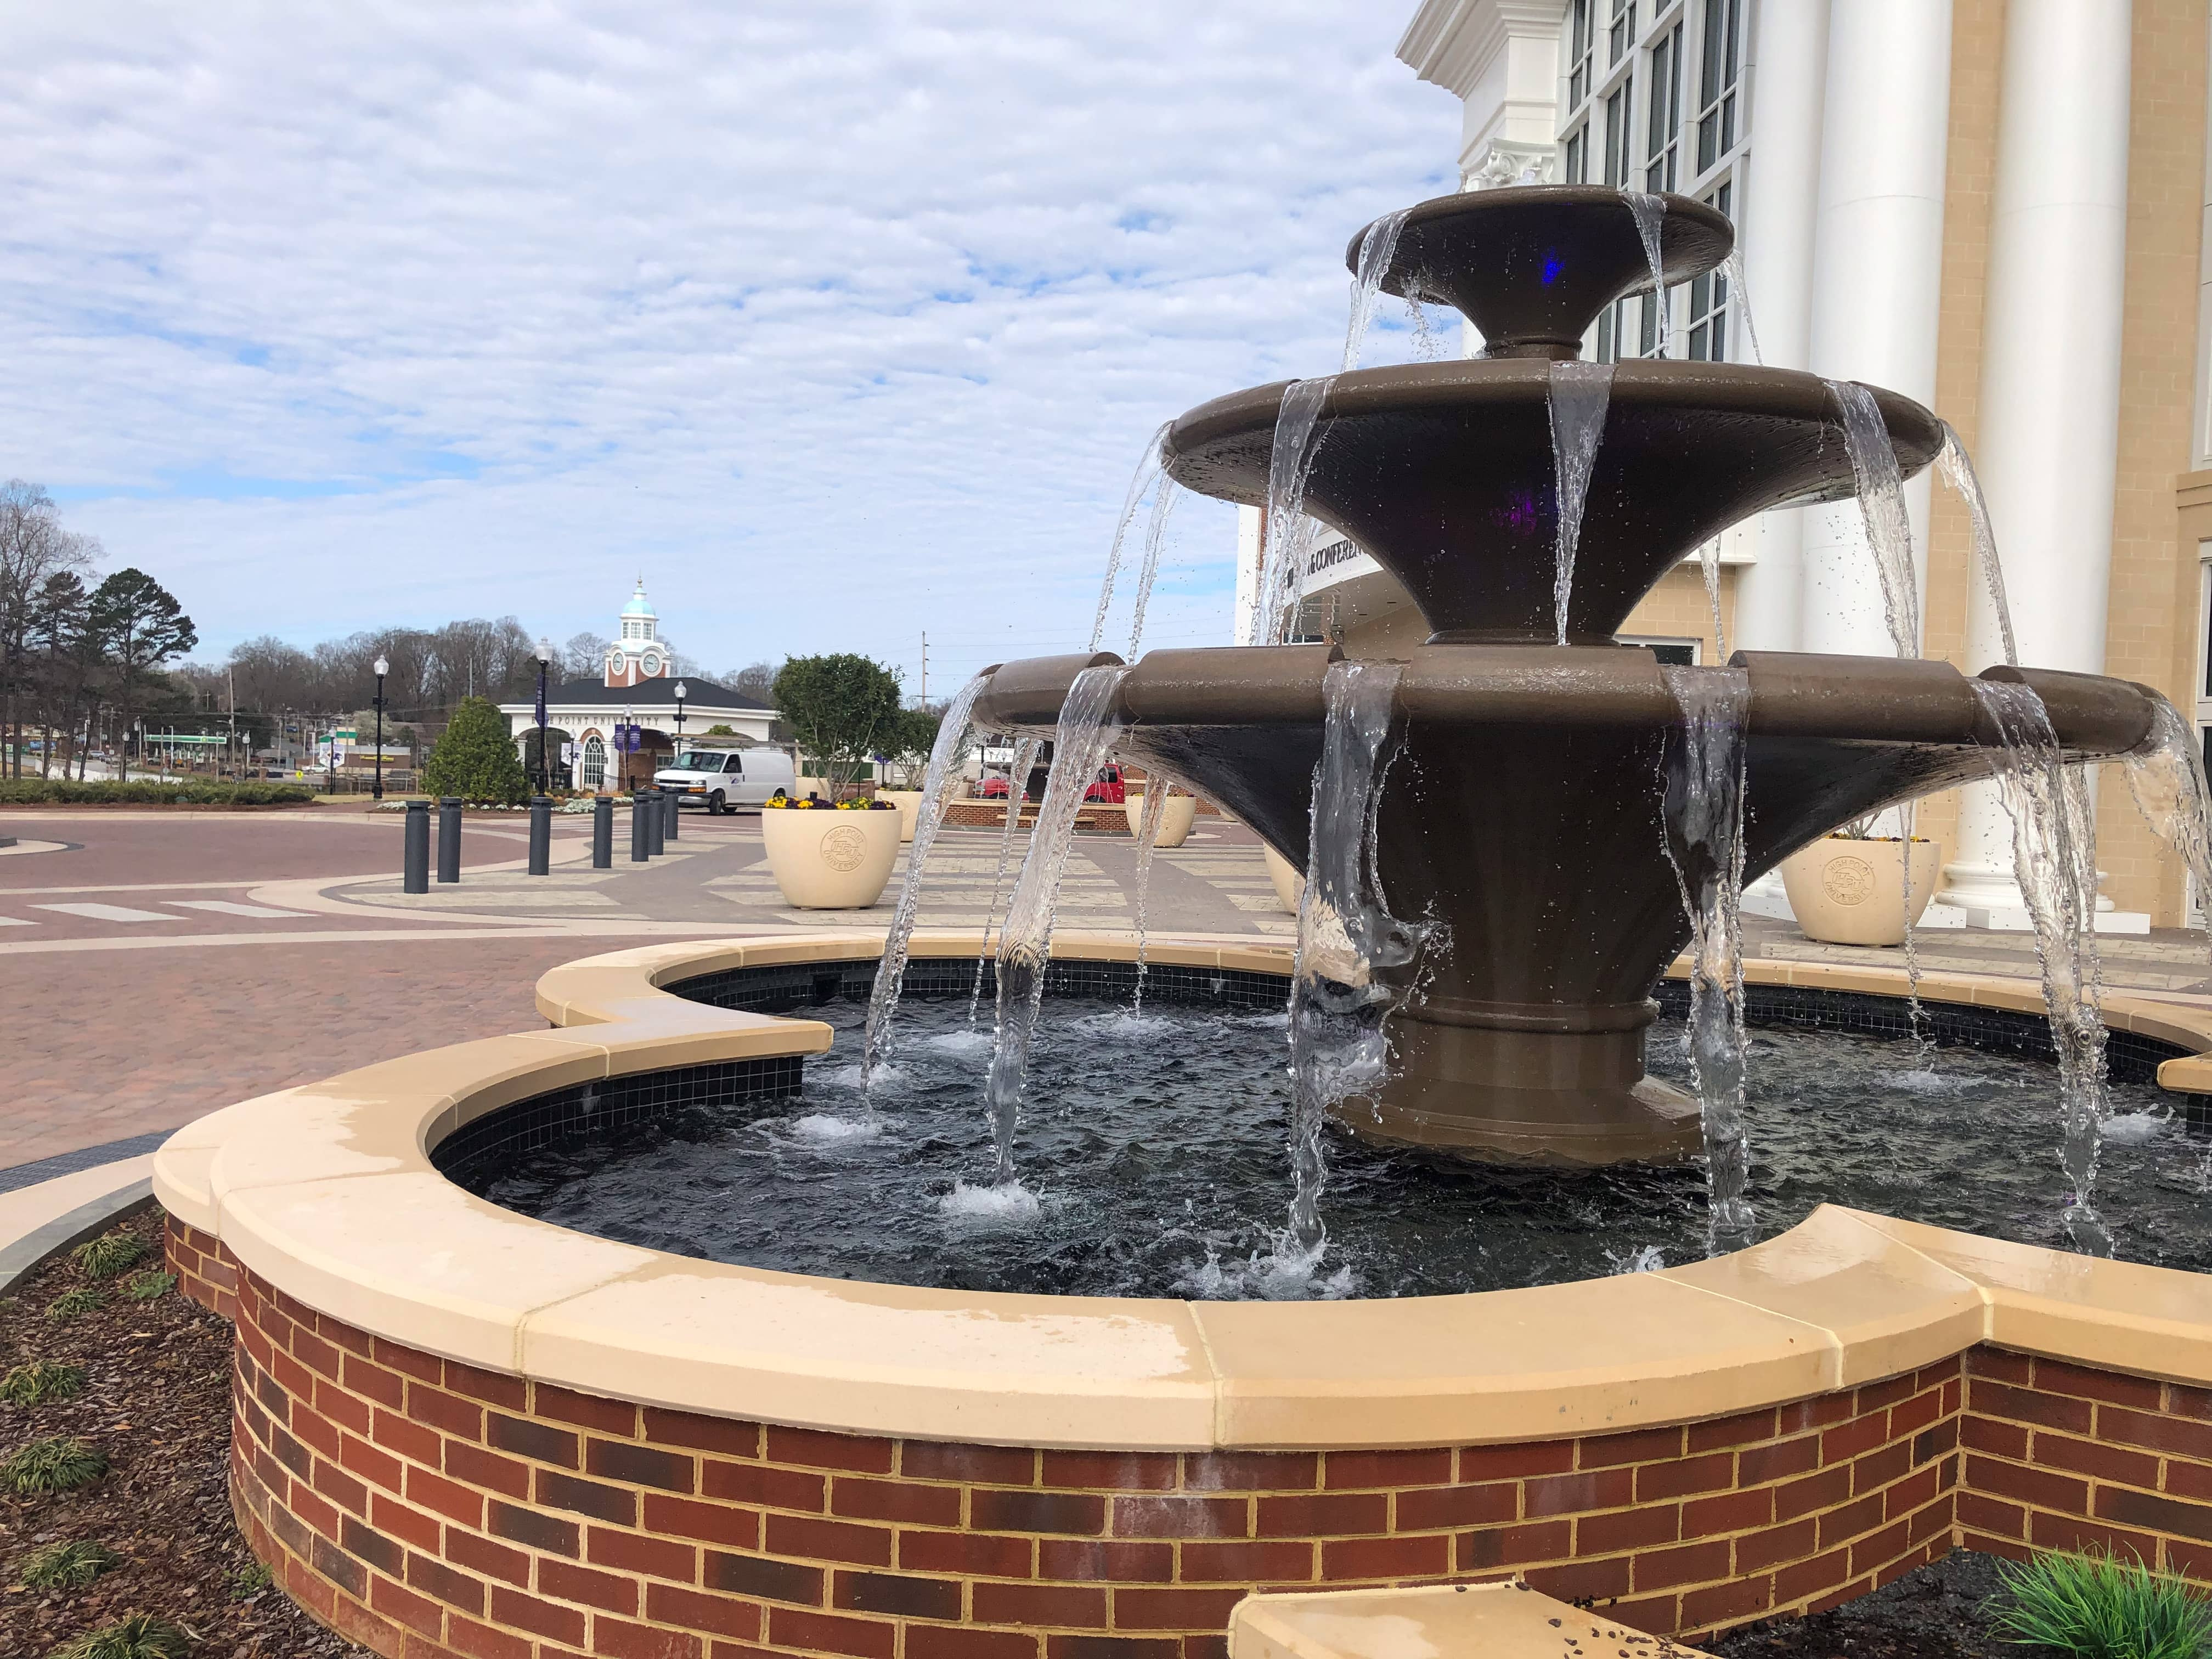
(1521, 813)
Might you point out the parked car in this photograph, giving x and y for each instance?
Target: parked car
(722, 780)
(1108, 788)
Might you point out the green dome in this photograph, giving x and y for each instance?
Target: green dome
(639, 605)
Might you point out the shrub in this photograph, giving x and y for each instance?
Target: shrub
(73, 1303)
(68, 1567)
(841, 707)
(2100, 1607)
(148, 1285)
(249, 1581)
(147, 792)
(41, 1380)
(475, 758)
(108, 1255)
(50, 1466)
(142, 1636)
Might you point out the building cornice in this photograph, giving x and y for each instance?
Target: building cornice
(1452, 43)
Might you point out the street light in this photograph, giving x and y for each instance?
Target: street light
(682, 692)
(544, 760)
(382, 669)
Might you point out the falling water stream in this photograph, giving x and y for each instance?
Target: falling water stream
(1732, 270)
(2166, 775)
(1018, 781)
(1156, 529)
(1148, 473)
(1349, 945)
(938, 786)
(1882, 501)
(1377, 246)
(1958, 469)
(1289, 531)
(1088, 725)
(2055, 862)
(1158, 788)
(1580, 394)
(1649, 213)
(1701, 785)
(1708, 561)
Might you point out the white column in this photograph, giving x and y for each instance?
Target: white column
(2049, 438)
(1878, 272)
(1777, 211)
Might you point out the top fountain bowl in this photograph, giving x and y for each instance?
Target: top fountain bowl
(1532, 265)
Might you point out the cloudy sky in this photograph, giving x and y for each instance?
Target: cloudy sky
(839, 319)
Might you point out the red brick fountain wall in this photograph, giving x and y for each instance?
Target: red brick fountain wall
(426, 1508)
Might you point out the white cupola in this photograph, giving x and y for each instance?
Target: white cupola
(638, 654)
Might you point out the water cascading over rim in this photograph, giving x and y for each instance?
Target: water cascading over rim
(1522, 814)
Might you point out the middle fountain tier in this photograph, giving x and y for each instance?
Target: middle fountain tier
(1522, 810)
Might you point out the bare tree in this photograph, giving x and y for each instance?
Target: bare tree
(757, 681)
(33, 547)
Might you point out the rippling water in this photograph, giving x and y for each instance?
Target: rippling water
(1153, 1154)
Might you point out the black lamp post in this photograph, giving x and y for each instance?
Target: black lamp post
(382, 669)
(682, 692)
(544, 759)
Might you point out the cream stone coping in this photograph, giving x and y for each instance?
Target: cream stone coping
(328, 1193)
(1479, 1621)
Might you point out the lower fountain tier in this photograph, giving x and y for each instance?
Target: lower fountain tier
(1521, 811)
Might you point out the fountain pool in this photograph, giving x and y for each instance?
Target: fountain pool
(1156, 1151)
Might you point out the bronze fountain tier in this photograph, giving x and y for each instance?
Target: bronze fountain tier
(1523, 812)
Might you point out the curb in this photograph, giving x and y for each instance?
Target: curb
(22, 1256)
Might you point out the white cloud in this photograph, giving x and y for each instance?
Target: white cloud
(839, 319)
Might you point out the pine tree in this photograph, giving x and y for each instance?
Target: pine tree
(475, 758)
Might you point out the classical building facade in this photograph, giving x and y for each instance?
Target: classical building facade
(637, 687)
(1996, 207)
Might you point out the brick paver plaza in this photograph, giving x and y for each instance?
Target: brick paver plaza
(158, 965)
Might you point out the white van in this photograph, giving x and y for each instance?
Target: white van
(722, 780)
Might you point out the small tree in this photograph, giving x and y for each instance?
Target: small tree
(719, 730)
(841, 709)
(142, 626)
(475, 758)
(912, 737)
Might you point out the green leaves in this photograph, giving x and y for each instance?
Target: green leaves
(40, 1381)
(142, 1636)
(2100, 1607)
(842, 708)
(68, 1566)
(475, 758)
(51, 1466)
(108, 1255)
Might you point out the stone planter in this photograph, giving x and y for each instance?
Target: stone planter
(1174, 818)
(828, 860)
(1289, 881)
(1853, 892)
(908, 802)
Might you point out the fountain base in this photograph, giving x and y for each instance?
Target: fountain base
(1528, 1087)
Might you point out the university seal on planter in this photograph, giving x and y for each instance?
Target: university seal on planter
(844, 848)
(1848, 880)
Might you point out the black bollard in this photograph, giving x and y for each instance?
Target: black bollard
(640, 837)
(656, 825)
(675, 805)
(603, 833)
(541, 834)
(449, 838)
(415, 860)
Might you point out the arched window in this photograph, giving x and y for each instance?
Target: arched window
(595, 761)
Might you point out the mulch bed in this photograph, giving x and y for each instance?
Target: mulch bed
(156, 1400)
(1933, 1611)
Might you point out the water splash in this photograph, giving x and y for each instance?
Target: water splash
(1158, 788)
(2166, 775)
(1289, 532)
(1018, 779)
(2055, 862)
(1732, 270)
(1580, 395)
(1087, 727)
(1428, 340)
(1702, 781)
(1882, 502)
(938, 785)
(1958, 470)
(1156, 529)
(1378, 243)
(1348, 943)
(1146, 475)
(1649, 213)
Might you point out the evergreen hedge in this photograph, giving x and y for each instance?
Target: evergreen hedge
(147, 792)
